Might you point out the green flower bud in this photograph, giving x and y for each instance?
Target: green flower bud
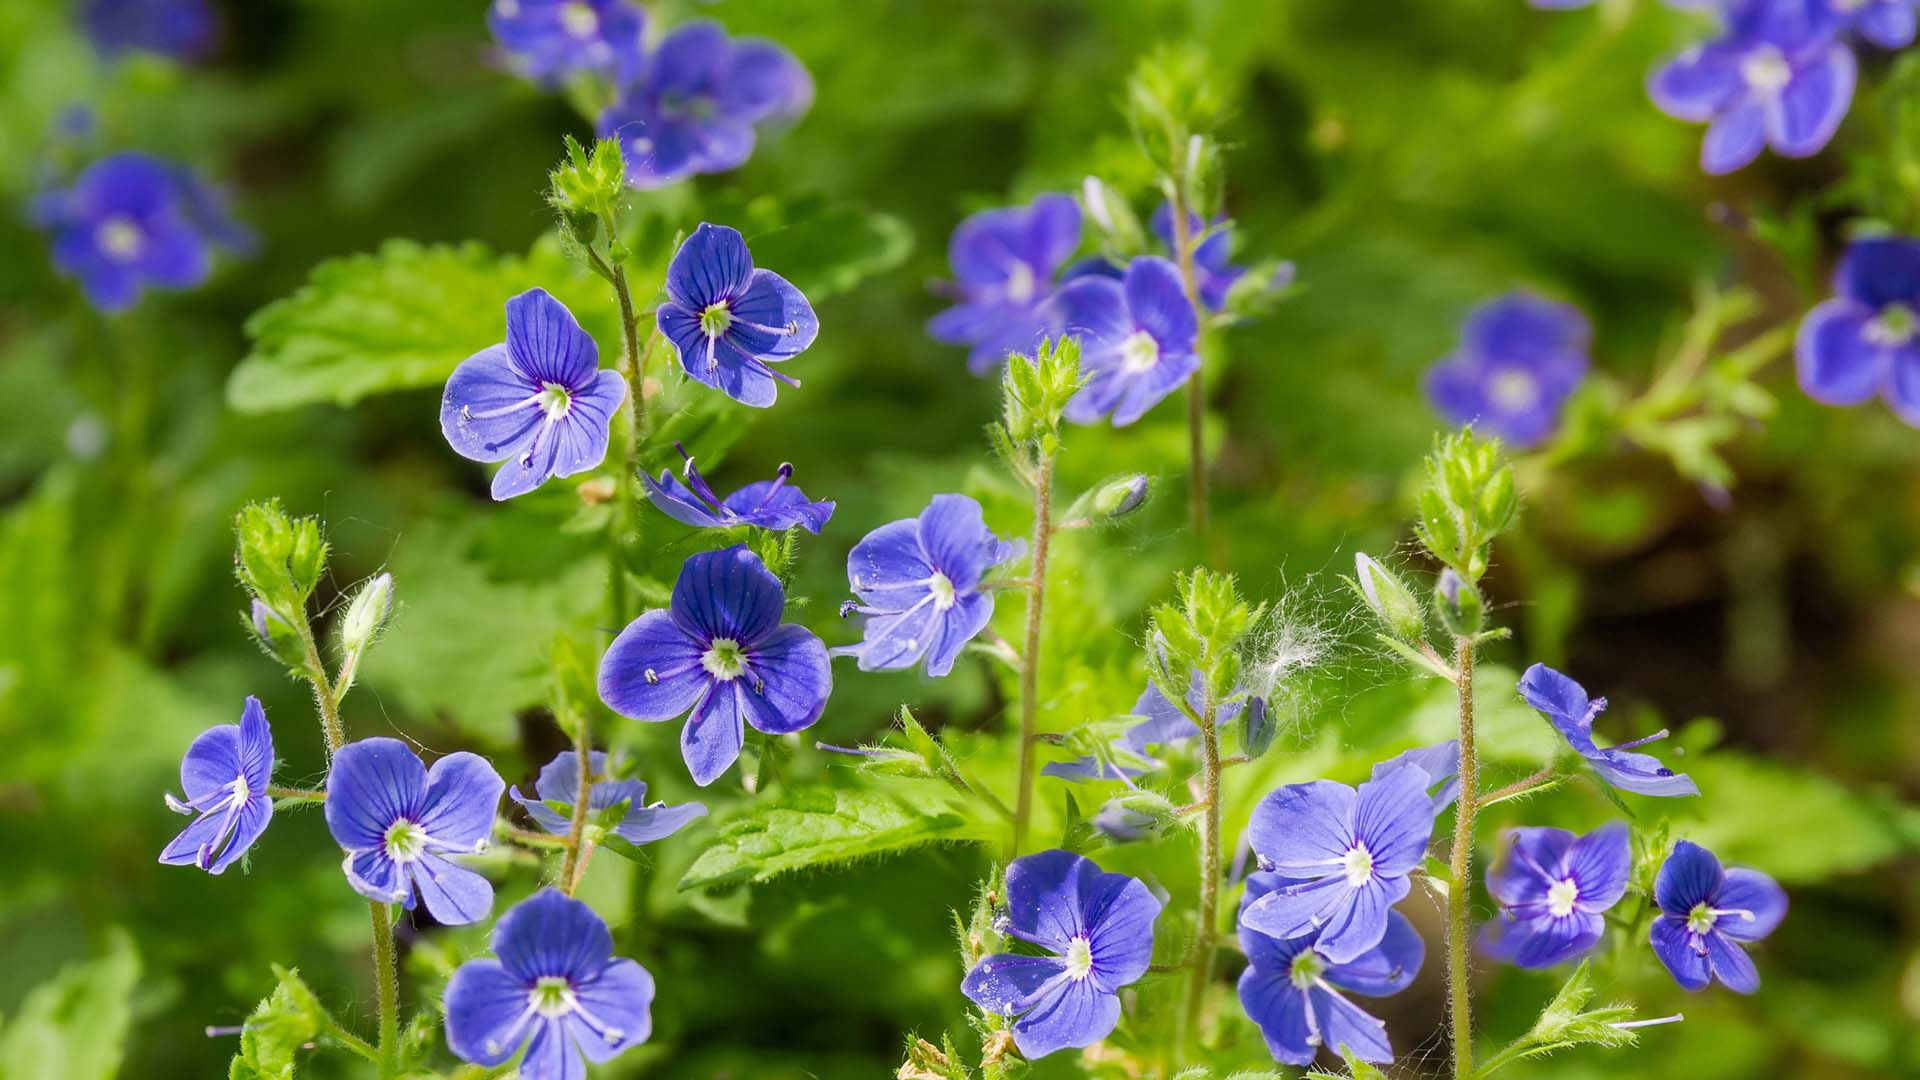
(1461, 609)
(367, 615)
(1389, 598)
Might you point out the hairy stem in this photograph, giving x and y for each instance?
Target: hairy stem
(573, 864)
(1518, 787)
(304, 794)
(632, 368)
(1459, 989)
(1206, 928)
(1030, 660)
(1196, 385)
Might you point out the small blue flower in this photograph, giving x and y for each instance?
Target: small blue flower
(720, 651)
(1291, 989)
(1138, 339)
(728, 320)
(771, 504)
(1554, 889)
(1566, 706)
(224, 776)
(1520, 358)
(1003, 265)
(559, 786)
(1212, 271)
(918, 580)
(1162, 723)
(550, 40)
(553, 986)
(693, 105)
(1707, 914)
(398, 821)
(540, 402)
(1777, 77)
(1861, 342)
(1098, 928)
(1889, 24)
(1346, 855)
(182, 30)
(131, 220)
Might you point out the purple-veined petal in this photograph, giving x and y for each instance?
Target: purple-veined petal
(1674, 946)
(255, 746)
(489, 411)
(619, 1000)
(678, 502)
(1150, 388)
(1359, 921)
(1093, 309)
(551, 1053)
(779, 508)
(1880, 270)
(888, 566)
(1304, 829)
(771, 301)
(1698, 84)
(377, 877)
(1296, 909)
(542, 814)
(372, 784)
(1731, 964)
(1157, 302)
(787, 681)
(722, 365)
(1120, 914)
(1754, 893)
(549, 934)
(1601, 863)
(463, 791)
(1162, 721)
(1810, 108)
(652, 671)
(1074, 1013)
(645, 824)
(1640, 773)
(1836, 361)
(896, 639)
(729, 594)
(1441, 763)
(1521, 325)
(1347, 1028)
(1689, 876)
(1734, 138)
(174, 255)
(486, 1009)
(1531, 863)
(546, 342)
(712, 265)
(212, 763)
(582, 433)
(1393, 817)
(1052, 233)
(955, 539)
(1279, 1009)
(989, 249)
(1545, 940)
(953, 628)
(1006, 984)
(1047, 893)
(715, 732)
(764, 81)
(454, 894)
(1388, 967)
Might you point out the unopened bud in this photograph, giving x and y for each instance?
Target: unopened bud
(367, 614)
(1258, 729)
(1389, 598)
(1460, 605)
(1121, 497)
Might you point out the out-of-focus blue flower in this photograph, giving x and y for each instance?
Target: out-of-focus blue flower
(1441, 763)
(1776, 76)
(224, 776)
(1861, 342)
(1346, 855)
(1707, 914)
(1293, 991)
(540, 401)
(399, 820)
(693, 106)
(1138, 339)
(1554, 889)
(1214, 275)
(132, 220)
(558, 788)
(1098, 928)
(770, 504)
(552, 985)
(720, 651)
(1889, 24)
(183, 30)
(550, 40)
(1003, 265)
(918, 580)
(1162, 723)
(728, 320)
(1566, 706)
(1520, 358)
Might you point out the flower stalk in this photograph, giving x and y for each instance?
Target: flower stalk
(1196, 386)
(1207, 924)
(1030, 658)
(1459, 988)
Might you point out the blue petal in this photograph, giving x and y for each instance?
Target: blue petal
(1388, 967)
(779, 508)
(1880, 270)
(1640, 773)
(1811, 107)
(1523, 326)
(376, 877)
(1734, 138)
(715, 732)
(655, 642)
(1673, 944)
(712, 266)
(551, 1054)
(1359, 922)
(1279, 1009)
(463, 792)
(485, 1007)
(1731, 964)
(1836, 362)
(1075, 1013)
(1299, 908)
(645, 824)
(1348, 1029)
(772, 301)
(485, 413)
(546, 341)
(371, 784)
(887, 567)
(1302, 829)
(212, 763)
(1600, 864)
(956, 542)
(1755, 893)
(455, 896)
(1887, 23)
(1564, 702)
(1456, 388)
(1689, 876)
(549, 934)
(1698, 84)
(620, 999)
(950, 630)
(1532, 860)
(1007, 984)
(786, 682)
(1393, 817)
(255, 746)
(1541, 940)
(728, 594)
(1441, 763)
(1903, 385)
(764, 81)
(1120, 913)
(678, 502)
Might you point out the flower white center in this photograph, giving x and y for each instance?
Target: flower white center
(1894, 326)
(1139, 353)
(554, 400)
(552, 995)
(120, 238)
(405, 840)
(1358, 865)
(1701, 918)
(579, 20)
(1514, 391)
(1766, 71)
(1560, 898)
(507, 8)
(1020, 283)
(1079, 958)
(723, 659)
(941, 587)
(1306, 969)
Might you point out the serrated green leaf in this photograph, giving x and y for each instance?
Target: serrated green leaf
(74, 1025)
(813, 828)
(284, 1021)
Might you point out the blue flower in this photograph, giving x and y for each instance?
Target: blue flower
(728, 321)
(1098, 929)
(770, 504)
(1554, 889)
(1212, 272)
(1566, 705)
(1861, 342)
(539, 402)
(183, 30)
(694, 103)
(1776, 77)
(1346, 854)
(1889, 24)
(398, 822)
(918, 580)
(553, 39)
(1162, 723)
(131, 220)
(1707, 914)
(1520, 358)
(559, 786)
(1441, 763)
(1003, 265)
(720, 651)
(224, 776)
(1138, 339)
(553, 986)
(1292, 989)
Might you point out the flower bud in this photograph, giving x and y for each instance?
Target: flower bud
(1389, 598)
(1121, 497)
(1461, 608)
(1120, 232)
(1257, 729)
(367, 614)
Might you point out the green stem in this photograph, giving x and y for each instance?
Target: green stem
(1516, 789)
(573, 864)
(632, 368)
(304, 794)
(1030, 660)
(1206, 929)
(1460, 990)
(1196, 385)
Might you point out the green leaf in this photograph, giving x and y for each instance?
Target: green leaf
(74, 1025)
(1356, 1070)
(1859, 828)
(400, 318)
(813, 828)
(1567, 1022)
(284, 1021)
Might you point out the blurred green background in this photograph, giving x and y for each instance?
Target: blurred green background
(1413, 157)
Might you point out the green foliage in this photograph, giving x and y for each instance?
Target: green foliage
(1389, 599)
(1035, 394)
(75, 1025)
(278, 1027)
(1567, 1022)
(1356, 1070)
(279, 559)
(587, 187)
(1468, 499)
(814, 829)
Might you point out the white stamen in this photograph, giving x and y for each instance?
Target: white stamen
(1358, 865)
(1766, 71)
(1139, 353)
(1561, 898)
